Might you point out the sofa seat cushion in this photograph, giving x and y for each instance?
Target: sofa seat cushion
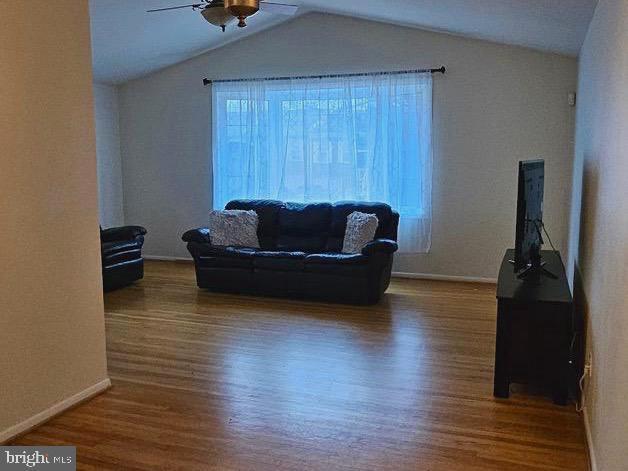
(227, 257)
(336, 259)
(282, 261)
(337, 263)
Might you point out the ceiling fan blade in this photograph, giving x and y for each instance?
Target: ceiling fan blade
(193, 5)
(278, 8)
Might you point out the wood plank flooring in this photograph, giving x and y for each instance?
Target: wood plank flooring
(204, 381)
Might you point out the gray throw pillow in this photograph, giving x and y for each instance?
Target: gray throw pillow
(234, 228)
(361, 228)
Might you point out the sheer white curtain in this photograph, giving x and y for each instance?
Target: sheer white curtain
(351, 138)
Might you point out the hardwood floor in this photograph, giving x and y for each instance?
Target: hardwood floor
(204, 381)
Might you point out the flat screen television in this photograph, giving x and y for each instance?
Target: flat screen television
(528, 238)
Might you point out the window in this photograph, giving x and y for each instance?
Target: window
(349, 138)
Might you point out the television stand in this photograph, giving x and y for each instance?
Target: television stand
(534, 329)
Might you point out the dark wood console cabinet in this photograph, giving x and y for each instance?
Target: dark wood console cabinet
(534, 329)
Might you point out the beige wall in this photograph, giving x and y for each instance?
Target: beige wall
(52, 342)
(496, 105)
(109, 163)
(599, 229)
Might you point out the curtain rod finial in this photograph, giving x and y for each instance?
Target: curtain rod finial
(206, 81)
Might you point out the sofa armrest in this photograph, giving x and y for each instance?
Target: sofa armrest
(121, 233)
(386, 246)
(200, 235)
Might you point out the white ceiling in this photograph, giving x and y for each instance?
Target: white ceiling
(127, 42)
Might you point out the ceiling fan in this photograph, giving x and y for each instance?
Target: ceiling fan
(222, 12)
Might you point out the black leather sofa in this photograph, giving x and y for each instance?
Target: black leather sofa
(121, 252)
(300, 254)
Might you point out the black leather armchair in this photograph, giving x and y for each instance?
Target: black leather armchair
(121, 252)
(300, 254)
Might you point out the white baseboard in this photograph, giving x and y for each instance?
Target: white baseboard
(168, 259)
(56, 409)
(428, 276)
(587, 431)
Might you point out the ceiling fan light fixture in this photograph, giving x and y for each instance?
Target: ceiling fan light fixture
(216, 14)
(242, 9)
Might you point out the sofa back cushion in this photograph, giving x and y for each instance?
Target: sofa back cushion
(387, 228)
(312, 228)
(268, 214)
(304, 227)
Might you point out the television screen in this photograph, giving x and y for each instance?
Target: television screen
(528, 238)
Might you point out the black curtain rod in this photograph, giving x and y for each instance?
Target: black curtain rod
(440, 70)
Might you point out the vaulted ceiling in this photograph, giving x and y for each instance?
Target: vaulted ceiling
(127, 42)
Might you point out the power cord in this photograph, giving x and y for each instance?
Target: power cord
(549, 239)
(580, 406)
